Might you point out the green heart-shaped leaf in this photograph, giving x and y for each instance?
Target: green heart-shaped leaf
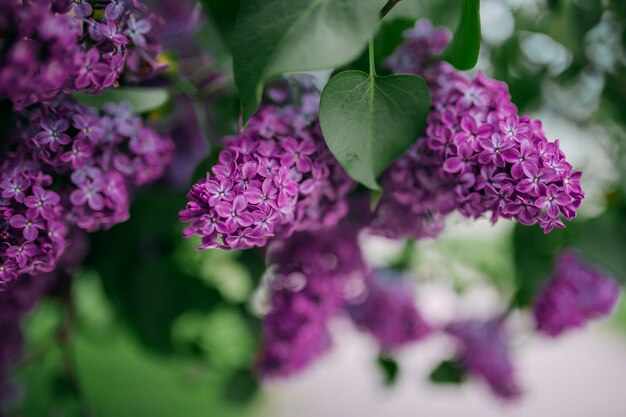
(463, 50)
(273, 37)
(368, 121)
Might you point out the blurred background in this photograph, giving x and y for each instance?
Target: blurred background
(162, 330)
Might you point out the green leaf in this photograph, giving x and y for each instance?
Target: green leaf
(273, 37)
(368, 121)
(448, 372)
(389, 368)
(224, 15)
(141, 99)
(463, 50)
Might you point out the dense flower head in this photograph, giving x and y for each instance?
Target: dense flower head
(67, 164)
(32, 230)
(312, 274)
(483, 352)
(50, 48)
(37, 55)
(273, 178)
(476, 156)
(576, 293)
(388, 311)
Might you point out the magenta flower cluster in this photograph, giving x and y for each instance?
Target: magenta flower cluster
(66, 165)
(483, 351)
(387, 311)
(312, 274)
(275, 177)
(476, 156)
(61, 46)
(576, 293)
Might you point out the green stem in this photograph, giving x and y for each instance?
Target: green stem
(387, 8)
(372, 62)
(66, 335)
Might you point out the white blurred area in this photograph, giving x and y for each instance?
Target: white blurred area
(582, 374)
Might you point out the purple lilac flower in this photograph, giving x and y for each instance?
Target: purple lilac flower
(476, 156)
(26, 220)
(311, 279)
(483, 351)
(38, 61)
(91, 171)
(49, 51)
(576, 293)
(388, 311)
(276, 177)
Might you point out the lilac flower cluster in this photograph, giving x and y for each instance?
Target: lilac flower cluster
(32, 230)
(483, 351)
(275, 177)
(576, 293)
(45, 50)
(312, 276)
(388, 311)
(476, 156)
(66, 165)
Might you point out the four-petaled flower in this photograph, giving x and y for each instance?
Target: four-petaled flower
(524, 156)
(552, 199)
(53, 135)
(535, 179)
(15, 187)
(136, 29)
(462, 162)
(89, 192)
(219, 190)
(42, 203)
(30, 226)
(235, 214)
(513, 129)
(297, 153)
(8, 271)
(266, 196)
(494, 149)
(22, 253)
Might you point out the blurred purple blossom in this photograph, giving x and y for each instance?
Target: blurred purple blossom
(483, 351)
(388, 311)
(576, 293)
